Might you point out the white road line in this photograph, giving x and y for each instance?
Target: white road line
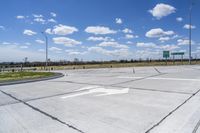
(175, 79)
(98, 91)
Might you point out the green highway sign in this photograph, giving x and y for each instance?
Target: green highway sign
(178, 53)
(166, 54)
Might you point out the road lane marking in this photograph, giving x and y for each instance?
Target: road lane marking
(175, 79)
(98, 91)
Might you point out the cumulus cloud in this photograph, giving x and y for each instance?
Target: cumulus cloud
(6, 55)
(2, 27)
(52, 20)
(126, 31)
(48, 31)
(146, 45)
(118, 21)
(179, 19)
(163, 39)
(20, 17)
(39, 20)
(157, 47)
(62, 30)
(116, 52)
(158, 32)
(129, 36)
(92, 38)
(41, 50)
(66, 41)
(38, 16)
(129, 42)
(169, 47)
(29, 32)
(27, 43)
(5, 43)
(39, 41)
(23, 47)
(55, 49)
(53, 14)
(99, 30)
(74, 52)
(184, 42)
(113, 44)
(162, 10)
(187, 26)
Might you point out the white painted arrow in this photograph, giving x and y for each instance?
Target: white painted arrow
(97, 89)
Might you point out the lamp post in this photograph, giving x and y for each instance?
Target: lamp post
(190, 32)
(46, 40)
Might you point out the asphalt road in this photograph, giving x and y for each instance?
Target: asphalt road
(115, 100)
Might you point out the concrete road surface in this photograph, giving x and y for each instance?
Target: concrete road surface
(114, 100)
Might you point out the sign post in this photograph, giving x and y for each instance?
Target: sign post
(178, 53)
(166, 55)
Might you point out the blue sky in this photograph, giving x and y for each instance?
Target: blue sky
(96, 29)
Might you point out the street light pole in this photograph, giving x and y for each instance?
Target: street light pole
(46, 40)
(190, 32)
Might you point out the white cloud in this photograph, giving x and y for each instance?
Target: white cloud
(113, 44)
(129, 36)
(99, 30)
(118, 21)
(53, 14)
(41, 50)
(61, 30)
(48, 31)
(37, 16)
(66, 41)
(55, 49)
(6, 55)
(146, 45)
(129, 42)
(39, 20)
(72, 52)
(157, 47)
(163, 39)
(158, 32)
(184, 42)
(162, 10)
(169, 47)
(6, 43)
(29, 32)
(179, 19)
(2, 27)
(126, 30)
(27, 43)
(187, 26)
(23, 47)
(52, 20)
(40, 41)
(92, 38)
(116, 52)
(20, 17)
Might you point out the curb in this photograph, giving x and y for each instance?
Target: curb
(57, 75)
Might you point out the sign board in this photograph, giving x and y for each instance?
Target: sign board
(165, 54)
(178, 53)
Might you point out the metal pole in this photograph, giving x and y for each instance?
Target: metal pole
(46, 40)
(190, 34)
(46, 51)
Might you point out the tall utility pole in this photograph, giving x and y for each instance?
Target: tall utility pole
(190, 31)
(46, 40)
